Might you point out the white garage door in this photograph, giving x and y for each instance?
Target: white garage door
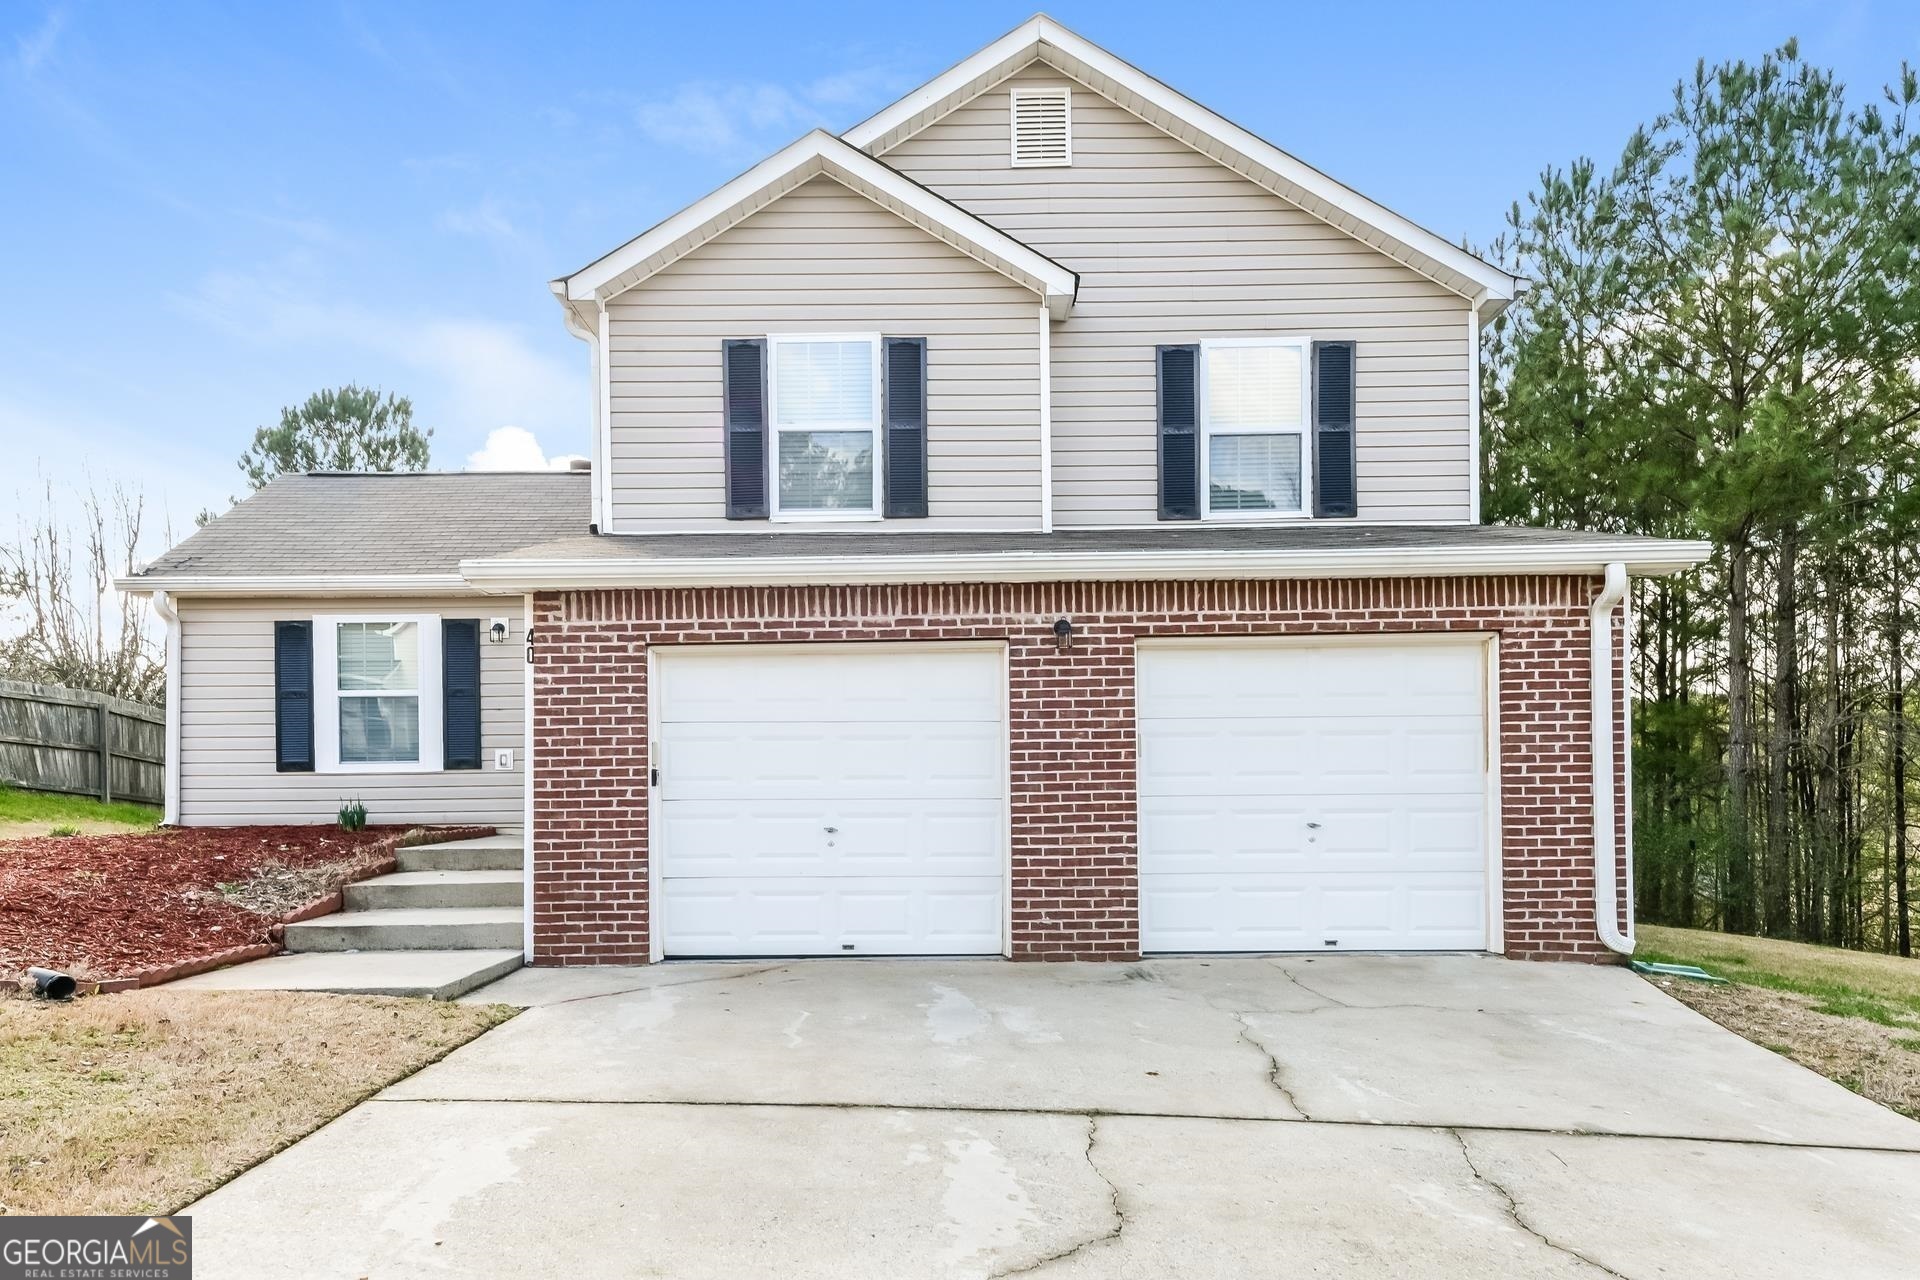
(1313, 798)
(830, 802)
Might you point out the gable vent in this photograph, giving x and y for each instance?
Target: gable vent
(1042, 127)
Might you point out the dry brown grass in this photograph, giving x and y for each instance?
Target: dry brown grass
(1875, 1061)
(144, 1101)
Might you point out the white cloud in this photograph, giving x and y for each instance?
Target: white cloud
(515, 449)
(486, 373)
(737, 116)
(32, 50)
(723, 117)
(489, 221)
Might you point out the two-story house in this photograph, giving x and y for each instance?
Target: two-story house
(1041, 521)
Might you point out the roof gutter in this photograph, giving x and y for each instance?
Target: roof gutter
(308, 584)
(1606, 889)
(1646, 558)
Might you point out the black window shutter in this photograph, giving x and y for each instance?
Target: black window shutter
(460, 692)
(293, 697)
(905, 397)
(744, 376)
(1179, 401)
(1334, 492)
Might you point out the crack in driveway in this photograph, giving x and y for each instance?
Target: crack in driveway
(1113, 1232)
(1275, 1071)
(660, 986)
(1333, 1001)
(963, 1108)
(1519, 1219)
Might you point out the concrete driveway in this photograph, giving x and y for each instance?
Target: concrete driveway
(1449, 1116)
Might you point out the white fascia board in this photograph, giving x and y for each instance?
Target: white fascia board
(1643, 559)
(328, 584)
(816, 153)
(1033, 37)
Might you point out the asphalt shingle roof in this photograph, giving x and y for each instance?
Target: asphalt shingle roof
(367, 523)
(427, 523)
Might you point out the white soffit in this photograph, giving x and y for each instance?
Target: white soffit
(820, 153)
(1293, 180)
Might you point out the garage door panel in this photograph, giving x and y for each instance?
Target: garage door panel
(796, 687)
(1191, 688)
(1354, 820)
(840, 915)
(742, 759)
(1212, 838)
(874, 838)
(1395, 681)
(1232, 756)
(831, 802)
(1201, 757)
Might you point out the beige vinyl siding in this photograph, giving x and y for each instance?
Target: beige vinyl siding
(1174, 247)
(227, 774)
(826, 260)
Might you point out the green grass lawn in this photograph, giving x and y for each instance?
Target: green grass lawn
(1847, 984)
(37, 813)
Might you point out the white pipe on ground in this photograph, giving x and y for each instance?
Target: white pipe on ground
(1606, 881)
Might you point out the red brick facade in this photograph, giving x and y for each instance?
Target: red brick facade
(1075, 882)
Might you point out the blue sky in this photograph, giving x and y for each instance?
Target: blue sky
(211, 210)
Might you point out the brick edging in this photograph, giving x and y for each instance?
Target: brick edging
(390, 845)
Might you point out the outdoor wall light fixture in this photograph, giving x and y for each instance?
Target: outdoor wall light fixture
(1063, 634)
(497, 633)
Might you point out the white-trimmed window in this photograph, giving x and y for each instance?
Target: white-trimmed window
(825, 390)
(1255, 449)
(376, 691)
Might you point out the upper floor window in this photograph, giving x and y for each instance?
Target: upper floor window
(1042, 127)
(825, 390)
(1254, 412)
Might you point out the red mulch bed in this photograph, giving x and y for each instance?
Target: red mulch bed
(103, 906)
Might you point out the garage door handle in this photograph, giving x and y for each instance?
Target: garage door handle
(833, 830)
(1313, 826)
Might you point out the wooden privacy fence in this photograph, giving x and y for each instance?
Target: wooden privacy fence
(82, 743)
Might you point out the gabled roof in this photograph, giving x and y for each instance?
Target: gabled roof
(818, 153)
(1041, 38)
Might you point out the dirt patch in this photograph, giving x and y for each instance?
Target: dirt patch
(101, 906)
(276, 888)
(1875, 1061)
(142, 1102)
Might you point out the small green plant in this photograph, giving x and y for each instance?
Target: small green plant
(64, 829)
(353, 816)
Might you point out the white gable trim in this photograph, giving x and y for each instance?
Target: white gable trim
(815, 154)
(1210, 134)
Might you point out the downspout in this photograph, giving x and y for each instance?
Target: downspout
(591, 336)
(1606, 882)
(1473, 406)
(1046, 420)
(163, 605)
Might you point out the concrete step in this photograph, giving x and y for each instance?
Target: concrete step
(435, 975)
(483, 853)
(410, 929)
(437, 889)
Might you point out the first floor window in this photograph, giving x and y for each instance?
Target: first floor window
(377, 681)
(1254, 413)
(826, 425)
